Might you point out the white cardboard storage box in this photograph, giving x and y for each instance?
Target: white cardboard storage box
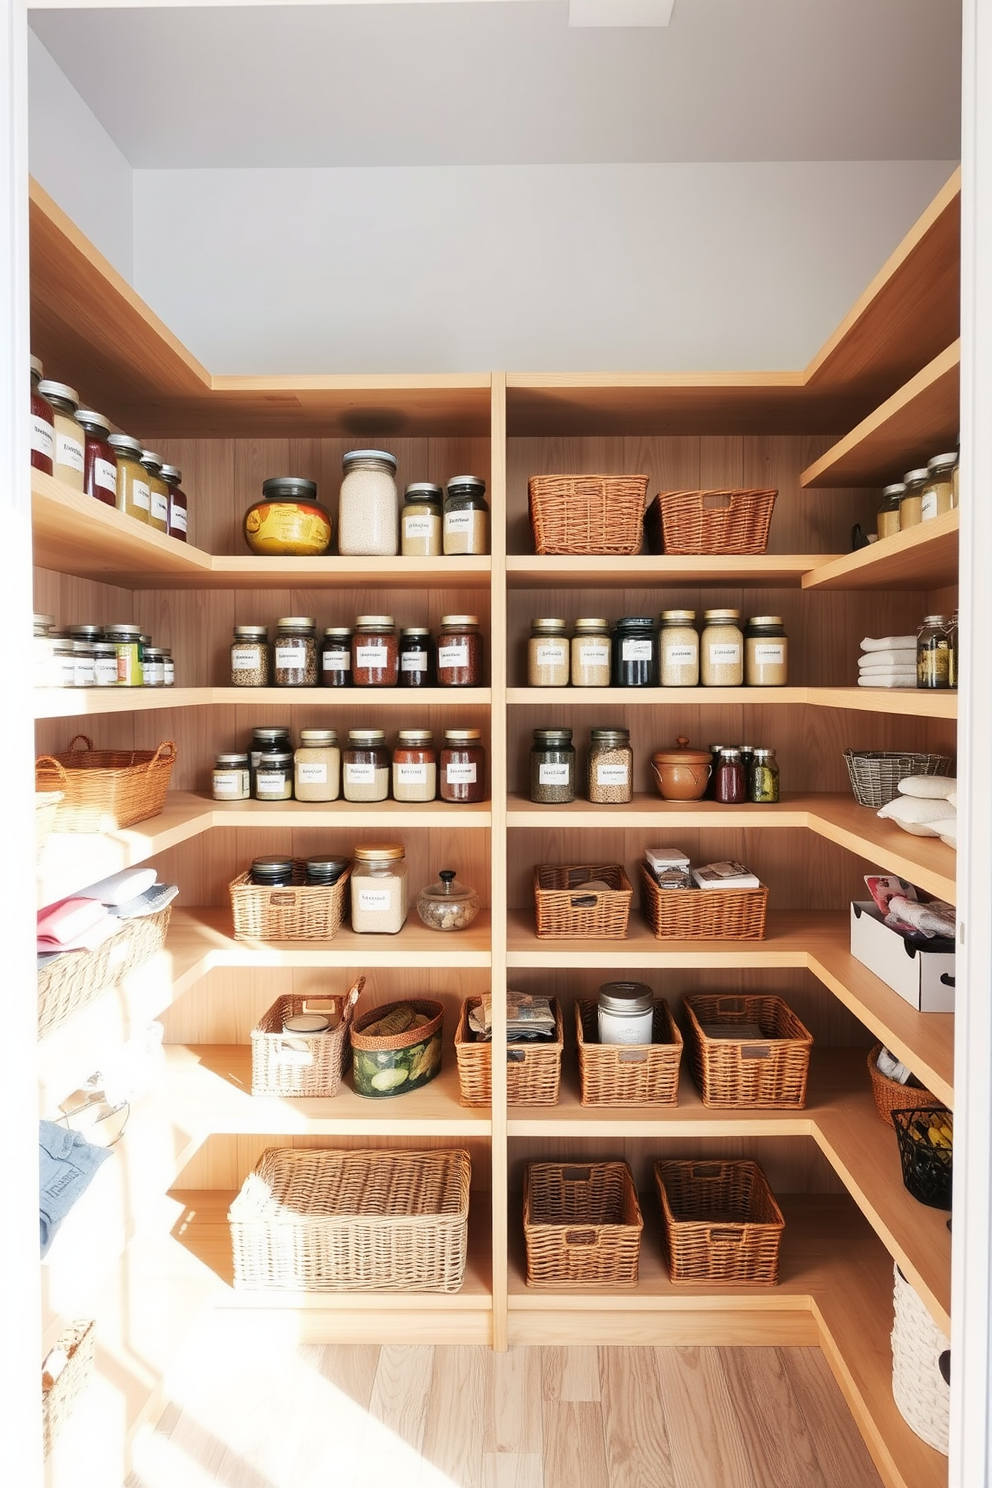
(924, 978)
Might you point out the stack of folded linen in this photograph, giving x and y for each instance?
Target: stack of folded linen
(84, 921)
(890, 662)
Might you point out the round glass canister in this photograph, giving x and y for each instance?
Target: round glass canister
(420, 521)
(722, 649)
(379, 889)
(368, 523)
(552, 766)
(678, 649)
(295, 652)
(178, 503)
(231, 778)
(466, 516)
(766, 652)
(99, 460)
(274, 776)
(611, 767)
(158, 492)
(447, 904)
(416, 657)
(932, 653)
(911, 503)
(317, 766)
(375, 656)
(68, 461)
(625, 1013)
(887, 521)
(547, 654)
(267, 740)
(365, 766)
(42, 423)
(635, 657)
(591, 653)
(414, 766)
(938, 493)
(133, 497)
(463, 766)
(250, 657)
(459, 652)
(126, 640)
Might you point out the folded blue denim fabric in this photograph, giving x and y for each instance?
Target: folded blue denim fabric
(68, 1163)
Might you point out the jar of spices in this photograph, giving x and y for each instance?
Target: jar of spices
(729, 782)
(178, 504)
(635, 662)
(911, 502)
(266, 740)
(158, 492)
(68, 461)
(952, 651)
(274, 776)
(272, 872)
(104, 664)
(463, 766)
(887, 522)
(459, 652)
(295, 659)
(611, 767)
(367, 513)
(763, 787)
(722, 656)
(42, 423)
(83, 666)
(365, 766)
(375, 652)
(420, 521)
(153, 666)
(625, 1013)
(416, 657)
(466, 516)
(766, 652)
(547, 654)
(938, 492)
(552, 766)
(591, 653)
(335, 656)
(64, 661)
(932, 653)
(317, 766)
(126, 640)
(231, 778)
(99, 459)
(250, 656)
(133, 496)
(414, 766)
(379, 891)
(169, 666)
(678, 649)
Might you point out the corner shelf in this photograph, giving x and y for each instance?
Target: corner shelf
(760, 571)
(909, 701)
(922, 557)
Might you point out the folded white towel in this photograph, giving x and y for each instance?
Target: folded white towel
(889, 643)
(120, 887)
(878, 661)
(888, 679)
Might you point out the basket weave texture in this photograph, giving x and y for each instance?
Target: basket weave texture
(46, 808)
(739, 1073)
(926, 1170)
(316, 1220)
(564, 912)
(918, 1384)
(890, 1095)
(876, 773)
(299, 912)
(582, 1224)
(71, 981)
(296, 1064)
(628, 1074)
(601, 514)
(533, 1071)
(78, 1342)
(704, 914)
(731, 521)
(106, 789)
(721, 1223)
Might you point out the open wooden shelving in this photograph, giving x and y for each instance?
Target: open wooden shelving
(906, 701)
(922, 557)
(761, 571)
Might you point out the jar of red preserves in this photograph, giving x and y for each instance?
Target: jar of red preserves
(374, 652)
(99, 459)
(42, 423)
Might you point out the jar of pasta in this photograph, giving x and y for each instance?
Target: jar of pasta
(678, 649)
(591, 653)
(420, 521)
(722, 649)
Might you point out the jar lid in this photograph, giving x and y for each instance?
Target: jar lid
(635, 622)
(414, 630)
(91, 420)
(609, 735)
(62, 644)
(306, 1023)
(270, 731)
(375, 622)
(103, 648)
(127, 631)
(416, 736)
(897, 488)
(354, 456)
(296, 487)
(943, 462)
(914, 477)
(297, 622)
(251, 632)
(681, 754)
(271, 863)
(462, 735)
(86, 632)
(318, 738)
(470, 484)
(729, 752)
(125, 445)
(423, 491)
(764, 754)
(83, 648)
(935, 620)
(552, 735)
(231, 759)
(337, 632)
(327, 866)
(765, 620)
(36, 366)
(626, 997)
(146, 640)
(275, 757)
(549, 624)
(366, 736)
(715, 616)
(46, 621)
(59, 390)
(457, 622)
(592, 624)
(678, 617)
(372, 850)
(151, 460)
(172, 474)
(447, 889)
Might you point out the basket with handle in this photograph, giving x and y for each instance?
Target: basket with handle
(298, 911)
(721, 1223)
(598, 514)
(69, 982)
(711, 522)
(105, 790)
(582, 1224)
(628, 1074)
(876, 773)
(300, 1064)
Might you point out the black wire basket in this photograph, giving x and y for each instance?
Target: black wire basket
(926, 1150)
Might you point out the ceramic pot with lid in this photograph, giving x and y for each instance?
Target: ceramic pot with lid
(682, 773)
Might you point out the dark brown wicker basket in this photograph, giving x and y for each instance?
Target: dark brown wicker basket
(533, 1071)
(721, 1223)
(582, 1224)
(600, 514)
(564, 912)
(746, 1072)
(704, 914)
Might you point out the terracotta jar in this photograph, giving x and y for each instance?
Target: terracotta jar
(683, 773)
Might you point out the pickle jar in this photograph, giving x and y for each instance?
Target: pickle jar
(365, 766)
(99, 459)
(938, 493)
(763, 778)
(416, 657)
(250, 659)
(274, 776)
(466, 516)
(317, 766)
(178, 503)
(721, 649)
(158, 492)
(911, 501)
(133, 496)
(463, 766)
(547, 654)
(932, 654)
(335, 656)
(375, 657)
(295, 658)
(678, 649)
(590, 662)
(68, 461)
(42, 423)
(414, 766)
(420, 521)
(459, 651)
(766, 652)
(611, 767)
(552, 766)
(231, 778)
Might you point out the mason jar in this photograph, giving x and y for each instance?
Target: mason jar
(466, 516)
(295, 659)
(552, 766)
(635, 657)
(678, 649)
(722, 649)
(250, 656)
(335, 656)
(368, 525)
(420, 521)
(365, 766)
(611, 767)
(591, 652)
(231, 778)
(547, 654)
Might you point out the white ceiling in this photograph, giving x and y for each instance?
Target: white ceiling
(511, 83)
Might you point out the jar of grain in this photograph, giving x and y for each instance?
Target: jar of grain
(379, 892)
(99, 460)
(911, 502)
(133, 496)
(158, 492)
(295, 660)
(414, 766)
(938, 493)
(722, 651)
(416, 657)
(459, 652)
(466, 516)
(368, 512)
(678, 649)
(766, 652)
(887, 520)
(375, 652)
(68, 463)
(231, 778)
(42, 423)
(611, 767)
(635, 657)
(365, 766)
(317, 766)
(274, 776)
(250, 656)
(552, 766)
(547, 654)
(335, 657)
(420, 521)
(178, 503)
(932, 653)
(591, 653)
(463, 766)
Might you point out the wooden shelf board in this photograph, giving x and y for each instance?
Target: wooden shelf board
(922, 557)
(928, 862)
(907, 702)
(339, 697)
(440, 814)
(72, 860)
(87, 702)
(651, 811)
(784, 944)
(764, 571)
(653, 697)
(246, 571)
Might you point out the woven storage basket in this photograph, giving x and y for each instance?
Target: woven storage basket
(582, 1224)
(376, 1053)
(71, 981)
(533, 1071)
(721, 1224)
(890, 1095)
(738, 1073)
(876, 773)
(315, 1220)
(564, 912)
(704, 914)
(710, 521)
(587, 513)
(297, 1064)
(106, 789)
(78, 1343)
(300, 912)
(628, 1074)
(927, 1170)
(46, 808)
(921, 1362)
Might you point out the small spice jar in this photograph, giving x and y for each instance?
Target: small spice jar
(459, 652)
(126, 640)
(267, 740)
(416, 657)
(68, 460)
(375, 652)
(678, 649)
(611, 767)
(158, 492)
(591, 653)
(932, 654)
(635, 661)
(763, 778)
(547, 654)
(178, 503)
(169, 666)
(323, 869)
(133, 496)
(272, 872)
(83, 667)
(365, 766)
(63, 661)
(552, 766)
(99, 459)
(379, 889)
(414, 766)
(250, 656)
(295, 659)
(938, 493)
(104, 663)
(231, 778)
(911, 502)
(463, 766)
(722, 650)
(367, 512)
(274, 776)
(335, 656)
(46, 673)
(466, 516)
(887, 522)
(153, 666)
(729, 779)
(766, 652)
(420, 521)
(625, 1013)
(317, 766)
(42, 423)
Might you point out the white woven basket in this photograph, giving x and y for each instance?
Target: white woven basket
(918, 1387)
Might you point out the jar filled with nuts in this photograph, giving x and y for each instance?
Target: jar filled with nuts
(447, 904)
(611, 767)
(250, 656)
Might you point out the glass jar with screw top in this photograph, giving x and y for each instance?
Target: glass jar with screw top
(375, 652)
(69, 459)
(635, 661)
(466, 516)
(63, 661)
(317, 766)
(611, 767)
(153, 666)
(952, 651)
(763, 778)
(250, 656)
(730, 783)
(591, 652)
(932, 654)
(416, 657)
(133, 496)
(178, 504)
(169, 666)
(99, 460)
(938, 492)
(274, 776)
(625, 1013)
(722, 649)
(368, 513)
(459, 652)
(552, 766)
(365, 766)
(420, 521)
(272, 872)
(267, 740)
(463, 766)
(42, 423)
(83, 666)
(678, 649)
(126, 640)
(158, 492)
(104, 664)
(887, 522)
(295, 659)
(766, 652)
(335, 656)
(231, 778)
(911, 502)
(547, 654)
(414, 766)
(379, 889)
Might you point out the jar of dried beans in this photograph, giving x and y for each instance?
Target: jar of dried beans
(296, 652)
(250, 656)
(463, 766)
(611, 767)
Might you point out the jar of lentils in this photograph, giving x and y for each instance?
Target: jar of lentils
(368, 514)
(420, 521)
(678, 649)
(611, 767)
(463, 766)
(591, 653)
(414, 766)
(375, 652)
(634, 652)
(552, 766)
(335, 657)
(722, 649)
(459, 652)
(547, 654)
(250, 656)
(365, 766)
(295, 660)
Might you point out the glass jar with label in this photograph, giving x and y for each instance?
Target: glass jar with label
(766, 652)
(335, 656)
(169, 666)
(678, 649)
(68, 461)
(178, 503)
(379, 890)
(466, 516)
(552, 766)
(365, 766)
(104, 663)
(459, 652)
(250, 656)
(721, 649)
(911, 502)
(83, 665)
(635, 655)
(99, 460)
(952, 650)
(42, 423)
(625, 1013)
(375, 652)
(317, 766)
(153, 666)
(463, 766)
(763, 778)
(158, 492)
(63, 661)
(887, 522)
(938, 492)
(591, 653)
(267, 740)
(547, 654)
(126, 640)
(416, 657)
(231, 778)
(133, 496)
(368, 509)
(932, 653)
(729, 780)
(611, 767)
(274, 776)
(414, 766)
(420, 521)
(295, 652)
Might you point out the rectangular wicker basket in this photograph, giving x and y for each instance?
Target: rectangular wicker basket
(317, 1220)
(105, 790)
(582, 1224)
(299, 912)
(711, 522)
(71, 981)
(704, 914)
(601, 514)
(297, 1064)
(78, 1343)
(46, 809)
(746, 1072)
(628, 1074)
(564, 912)
(721, 1224)
(533, 1071)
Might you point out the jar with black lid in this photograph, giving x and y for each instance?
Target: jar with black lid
(335, 656)
(295, 660)
(459, 652)
(42, 423)
(133, 496)
(272, 872)
(463, 766)
(322, 869)
(466, 516)
(178, 503)
(375, 652)
(68, 460)
(158, 492)
(552, 766)
(250, 656)
(766, 652)
(416, 657)
(635, 655)
(99, 459)
(153, 666)
(274, 776)
(420, 521)
(266, 740)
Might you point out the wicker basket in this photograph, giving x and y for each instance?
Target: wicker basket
(710, 521)
(704, 914)
(926, 1170)
(298, 1064)
(747, 1072)
(876, 773)
(300, 912)
(721, 1224)
(890, 1095)
(78, 1343)
(921, 1367)
(628, 1074)
(601, 514)
(565, 913)
(533, 1071)
(316, 1220)
(105, 790)
(46, 809)
(379, 1057)
(582, 1224)
(71, 981)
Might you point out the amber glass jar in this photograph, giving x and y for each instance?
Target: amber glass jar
(133, 496)
(158, 492)
(42, 423)
(375, 656)
(178, 504)
(70, 440)
(414, 766)
(463, 766)
(459, 652)
(99, 459)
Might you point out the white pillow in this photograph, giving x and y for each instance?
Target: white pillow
(949, 831)
(914, 815)
(952, 799)
(928, 787)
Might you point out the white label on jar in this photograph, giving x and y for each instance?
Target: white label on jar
(245, 658)
(726, 654)
(67, 671)
(83, 672)
(229, 784)
(68, 452)
(411, 774)
(453, 656)
(311, 774)
(929, 507)
(360, 774)
(337, 661)
(769, 653)
(461, 774)
(42, 436)
(413, 661)
(160, 507)
(612, 775)
(270, 783)
(154, 673)
(458, 521)
(597, 655)
(169, 671)
(552, 774)
(374, 899)
(681, 655)
(370, 655)
(625, 1028)
(552, 653)
(177, 516)
(418, 526)
(105, 474)
(636, 650)
(140, 495)
(105, 671)
(290, 654)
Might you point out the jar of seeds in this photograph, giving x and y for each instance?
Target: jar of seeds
(335, 656)
(250, 656)
(547, 654)
(611, 767)
(552, 766)
(591, 653)
(296, 652)
(722, 649)
(678, 649)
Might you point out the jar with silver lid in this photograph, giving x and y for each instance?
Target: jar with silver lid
(547, 653)
(100, 461)
(133, 495)
(375, 655)
(274, 776)
(69, 460)
(126, 640)
(678, 649)
(153, 666)
(365, 766)
(887, 519)
(63, 661)
(250, 656)
(317, 766)
(766, 652)
(178, 503)
(591, 653)
(104, 664)
(231, 778)
(168, 666)
(368, 512)
(938, 493)
(267, 739)
(414, 766)
(611, 767)
(416, 651)
(335, 656)
(158, 492)
(552, 766)
(420, 521)
(466, 516)
(46, 673)
(84, 674)
(295, 660)
(722, 649)
(626, 1013)
(911, 502)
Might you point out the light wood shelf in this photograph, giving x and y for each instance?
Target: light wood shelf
(788, 933)
(72, 860)
(908, 702)
(761, 571)
(351, 697)
(922, 557)
(89, 702)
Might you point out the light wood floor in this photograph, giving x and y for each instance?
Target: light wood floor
(266, 1413)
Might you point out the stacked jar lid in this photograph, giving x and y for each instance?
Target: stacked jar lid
(640, 651)
(99, 656)
(373, 652)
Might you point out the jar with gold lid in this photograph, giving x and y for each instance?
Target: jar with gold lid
(591, 652)
(678, 649)
(547, 653)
